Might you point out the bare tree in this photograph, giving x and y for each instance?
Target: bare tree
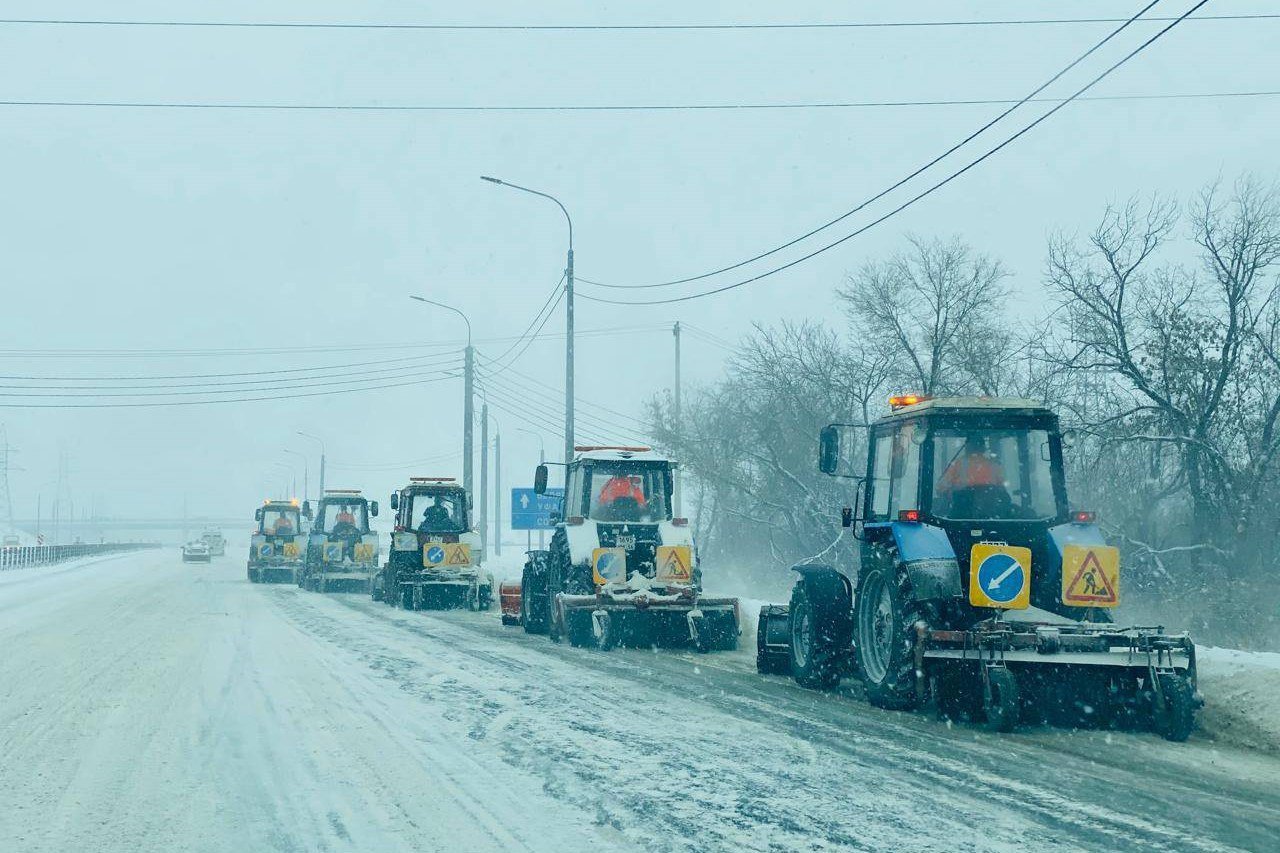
(931, 310)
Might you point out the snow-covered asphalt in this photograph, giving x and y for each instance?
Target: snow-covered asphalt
(153, 706)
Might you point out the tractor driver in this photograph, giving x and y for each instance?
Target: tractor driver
(973, 485)
(283, 525)
(437, 517)
(344, 528)
(621, 499)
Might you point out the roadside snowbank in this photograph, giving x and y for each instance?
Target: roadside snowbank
(1242, 694)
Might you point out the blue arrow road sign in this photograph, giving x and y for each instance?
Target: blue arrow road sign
(1001, 577)
(532, 511)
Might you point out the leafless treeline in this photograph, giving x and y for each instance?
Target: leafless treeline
(1158, 343)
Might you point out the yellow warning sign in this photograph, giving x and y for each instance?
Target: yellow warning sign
(675, 563)
(609, 564)
(435, 554)
(291, 550)
(1000, 576)
(1090, 576)
(365, 552)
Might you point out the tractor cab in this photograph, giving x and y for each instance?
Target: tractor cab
(342, 514)
(945, 475)
(278, 520)
(435, 508)
(436, 556)
(619, 498)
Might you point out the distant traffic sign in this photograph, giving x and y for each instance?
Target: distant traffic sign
(532, 511)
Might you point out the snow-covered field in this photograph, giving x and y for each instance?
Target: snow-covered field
(146, 705)
(1242, 697)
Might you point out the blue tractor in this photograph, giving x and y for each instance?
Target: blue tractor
(976, 585)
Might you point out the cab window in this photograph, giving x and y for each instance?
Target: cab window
(904, 469)
(880, 472)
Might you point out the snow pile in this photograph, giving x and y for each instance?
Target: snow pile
(1241, 692)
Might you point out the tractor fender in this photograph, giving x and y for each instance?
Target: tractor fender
(929, 559)
(829, 589)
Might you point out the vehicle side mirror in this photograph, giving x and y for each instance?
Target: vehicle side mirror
(829, 449)
(373, 509)
(540, 480)
(846, 517)
(395, 500)
(257, 514)
(306, 510)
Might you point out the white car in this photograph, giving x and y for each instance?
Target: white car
(196, 552)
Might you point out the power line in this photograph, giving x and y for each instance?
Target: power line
(524, 396)
(865, 203)
(256, 351)
(547, 307)
(422, 361)
(211, 388)
(581, 402)
(991, 152)
(804, 25)
(549, 108)
(183, 403)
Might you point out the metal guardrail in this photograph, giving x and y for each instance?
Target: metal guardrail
(22, 556)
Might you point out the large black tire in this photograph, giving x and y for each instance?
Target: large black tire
(1000, 702)
(816, 647)
(253, 575)
(581, 633)
(534, 615)
(1175, 716)
(885, 617)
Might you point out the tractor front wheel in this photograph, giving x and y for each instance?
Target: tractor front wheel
(815, 648)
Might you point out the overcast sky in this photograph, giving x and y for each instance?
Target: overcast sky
(134, 229)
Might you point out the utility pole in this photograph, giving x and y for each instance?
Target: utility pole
(319, 441)
(497, 491)
(6, 502)
(568, 354)
(468, 418)
(484, 478)
(675, 500)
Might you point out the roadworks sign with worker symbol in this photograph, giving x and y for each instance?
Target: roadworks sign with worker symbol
(291, 550)
(674, 562)
(436, 554)
(1000, 576)
(1090, 576)
(609, 564)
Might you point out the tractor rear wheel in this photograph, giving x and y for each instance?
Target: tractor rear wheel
(815, 649)
(884, 624)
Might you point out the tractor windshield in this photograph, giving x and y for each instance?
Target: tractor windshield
(628, 493)
(278, 521)
(342, 516)
(1001, 474)
(439, 512)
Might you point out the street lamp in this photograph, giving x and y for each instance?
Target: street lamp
(468, 383)
(320, 441)
(568, 351)
(292, 473)
(306, 472)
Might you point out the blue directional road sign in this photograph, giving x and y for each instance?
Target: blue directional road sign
(532, 511)
(1001, 578)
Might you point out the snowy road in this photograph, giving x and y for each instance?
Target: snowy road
(152, 706)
